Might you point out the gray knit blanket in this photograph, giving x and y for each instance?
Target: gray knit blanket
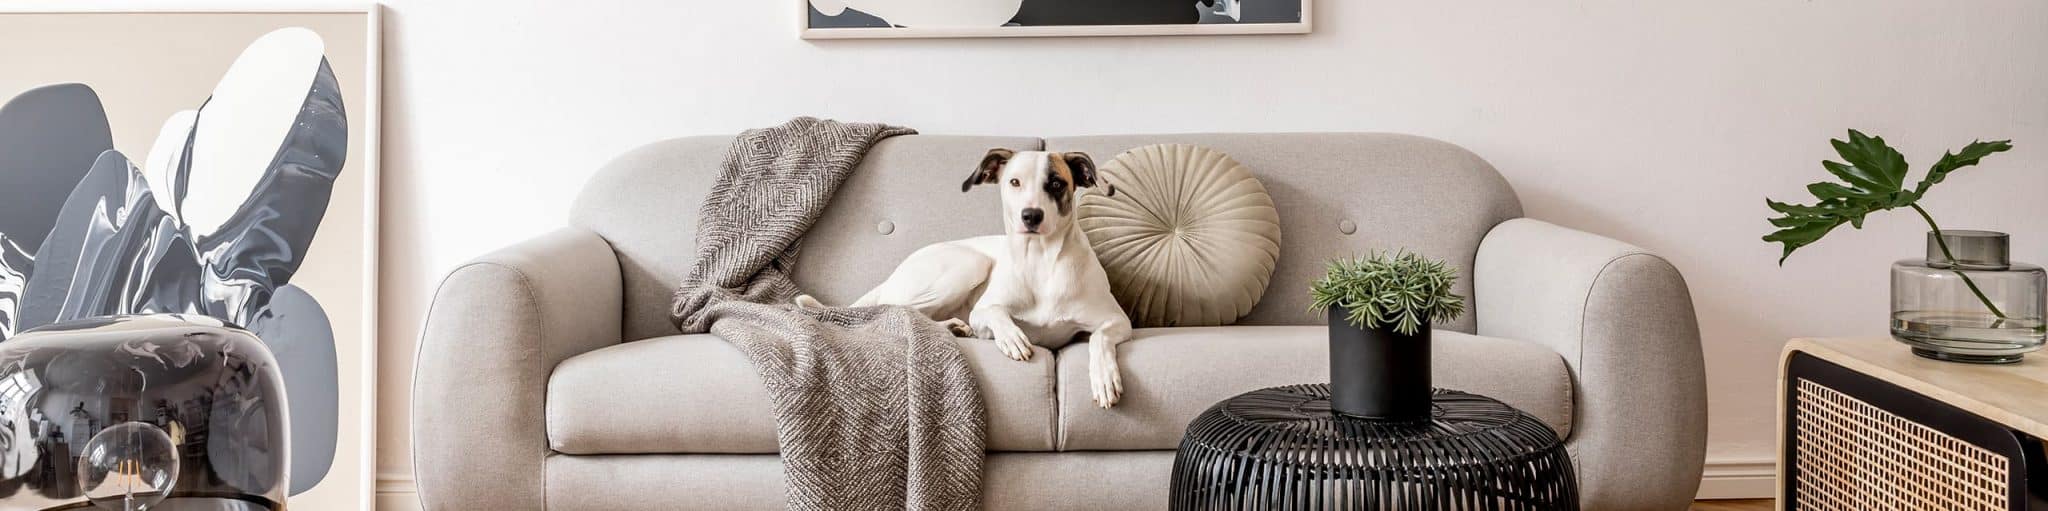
(875, 407)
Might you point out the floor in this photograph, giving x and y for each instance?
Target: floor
(1732, 505)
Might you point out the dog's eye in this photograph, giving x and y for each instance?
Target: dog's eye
(1014, 182)
(1055, 185)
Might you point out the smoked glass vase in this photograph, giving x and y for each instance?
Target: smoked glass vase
(1967, 301)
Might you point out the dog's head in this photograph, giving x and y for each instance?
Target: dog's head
(1038, 187)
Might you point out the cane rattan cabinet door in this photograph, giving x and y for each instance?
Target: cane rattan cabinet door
(1852, 441)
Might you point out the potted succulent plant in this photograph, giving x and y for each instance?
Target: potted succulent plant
(1380, 308)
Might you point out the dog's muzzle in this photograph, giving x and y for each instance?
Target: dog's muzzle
(1033, 217)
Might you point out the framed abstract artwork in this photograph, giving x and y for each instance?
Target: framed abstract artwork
(214, 161)
(876, 19)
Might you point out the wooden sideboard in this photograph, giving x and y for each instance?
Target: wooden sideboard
(1865, 424)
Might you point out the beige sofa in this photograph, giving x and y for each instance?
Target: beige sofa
(549, 376)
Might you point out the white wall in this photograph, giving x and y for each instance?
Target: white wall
(1661, 123)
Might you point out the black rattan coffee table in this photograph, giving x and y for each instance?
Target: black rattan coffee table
(1282, 448)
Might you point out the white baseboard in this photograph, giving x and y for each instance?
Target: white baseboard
(1724, 479)
(397, 493)
(1739, 479)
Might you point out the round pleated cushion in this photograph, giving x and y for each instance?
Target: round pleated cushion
(1189, 239)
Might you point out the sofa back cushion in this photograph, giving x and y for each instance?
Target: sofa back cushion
(1394, 190)
(645, 203)
(1341, 194)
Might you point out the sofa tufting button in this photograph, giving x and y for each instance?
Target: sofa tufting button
(1346, 227)
(885, 227)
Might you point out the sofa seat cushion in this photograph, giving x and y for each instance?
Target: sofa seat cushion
(1170, 375)
(687, 394)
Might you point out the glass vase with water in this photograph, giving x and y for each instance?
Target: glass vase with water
(1967, 301)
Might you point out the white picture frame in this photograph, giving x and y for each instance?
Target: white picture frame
(1305, 25)
(358, 417)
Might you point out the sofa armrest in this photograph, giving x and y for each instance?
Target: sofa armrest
(1623, 321)
(496, 329)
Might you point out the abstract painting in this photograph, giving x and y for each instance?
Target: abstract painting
(227, 178)
(858, 19)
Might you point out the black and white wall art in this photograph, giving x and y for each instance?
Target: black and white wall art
(852, 19)
(210, 163)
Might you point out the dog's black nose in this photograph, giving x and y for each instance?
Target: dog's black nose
(1032, 216)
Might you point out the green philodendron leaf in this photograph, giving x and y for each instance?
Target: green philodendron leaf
(1949, 162)
(1823, 208)
(1873, 179)
(1798, 232)
(1828, 190)
(1872, 157)
(1858, 178)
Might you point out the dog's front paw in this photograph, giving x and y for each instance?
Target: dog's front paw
(1014, 343)
(958, 327)
(806, 302)
(1105, 379)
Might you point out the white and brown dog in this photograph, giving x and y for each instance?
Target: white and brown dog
(1038, 283)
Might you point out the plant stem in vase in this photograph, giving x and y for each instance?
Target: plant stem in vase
(1950, 257)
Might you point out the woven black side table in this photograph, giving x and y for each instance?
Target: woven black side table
(1282, 448)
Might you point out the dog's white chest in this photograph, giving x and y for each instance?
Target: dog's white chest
(1047, 327)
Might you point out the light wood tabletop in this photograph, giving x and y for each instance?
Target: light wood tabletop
(2012, 394)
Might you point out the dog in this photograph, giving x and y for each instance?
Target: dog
(1037, 283)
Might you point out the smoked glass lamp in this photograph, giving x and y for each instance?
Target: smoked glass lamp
(141, 413)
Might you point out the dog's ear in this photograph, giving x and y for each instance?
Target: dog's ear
(991, 167)
(1083, 168)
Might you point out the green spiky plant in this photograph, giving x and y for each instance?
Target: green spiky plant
(1405, 290)
(1873, 179)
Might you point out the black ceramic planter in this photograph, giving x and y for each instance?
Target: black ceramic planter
(1376, 373)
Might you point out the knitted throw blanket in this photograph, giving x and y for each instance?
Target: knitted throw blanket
(875, 407)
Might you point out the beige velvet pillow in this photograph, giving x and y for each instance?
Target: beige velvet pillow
(1189, 239)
